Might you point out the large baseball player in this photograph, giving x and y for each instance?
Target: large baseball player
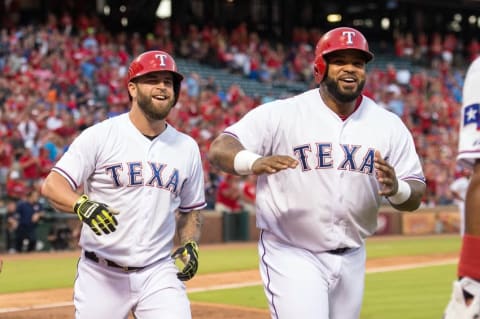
(465, 299)
(136, 171)
(324, 160)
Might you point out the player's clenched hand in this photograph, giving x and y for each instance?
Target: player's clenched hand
(98, 216)
(188, 254)
(273, 164)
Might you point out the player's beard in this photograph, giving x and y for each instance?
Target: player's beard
(344, 97)
(150, 110)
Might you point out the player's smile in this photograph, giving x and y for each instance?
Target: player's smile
(348, 79)
(161, 102)
(160, 97)
(348, 82)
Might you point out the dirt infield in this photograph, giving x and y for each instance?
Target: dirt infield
(57, 303)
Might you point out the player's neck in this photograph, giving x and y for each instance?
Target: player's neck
(342, 109)
(145, 126)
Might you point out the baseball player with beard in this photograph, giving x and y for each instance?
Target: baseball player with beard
(324, 159)
(465, 299)
(137, 171)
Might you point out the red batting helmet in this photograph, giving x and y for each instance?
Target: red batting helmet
(342, 38)
(155, 61)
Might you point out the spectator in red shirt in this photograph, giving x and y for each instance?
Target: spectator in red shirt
(229, 195)
(248, 193)
(29, 164)
(44, 163)
(16, 188)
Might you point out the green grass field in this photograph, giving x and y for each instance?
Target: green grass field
(416, 293)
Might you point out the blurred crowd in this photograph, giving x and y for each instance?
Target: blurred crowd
(436, 49)
(58, 78)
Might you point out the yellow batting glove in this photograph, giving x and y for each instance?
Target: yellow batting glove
(98, 216)
(188, 254)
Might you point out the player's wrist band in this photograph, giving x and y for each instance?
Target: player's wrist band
(243, 162)
(402, 195)
(79, 201)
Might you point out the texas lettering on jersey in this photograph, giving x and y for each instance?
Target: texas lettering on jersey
(135, 175)
(323, 157)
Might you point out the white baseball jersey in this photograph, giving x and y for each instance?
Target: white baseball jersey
(145, 180)
(331, 199)
(469, 138)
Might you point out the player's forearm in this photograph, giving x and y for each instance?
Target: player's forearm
(58, 192)
(415, 199)
(222, 152)
(61, 207)
(189, 226)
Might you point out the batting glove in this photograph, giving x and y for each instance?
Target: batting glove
(458, 307)
(188, 254)
(98, 216)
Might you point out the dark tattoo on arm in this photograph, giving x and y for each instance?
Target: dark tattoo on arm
(189, 226)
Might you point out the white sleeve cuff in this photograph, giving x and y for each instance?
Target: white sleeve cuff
(402, 195)
(243, 162)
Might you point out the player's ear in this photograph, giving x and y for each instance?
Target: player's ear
(316, 75)
(132, 89)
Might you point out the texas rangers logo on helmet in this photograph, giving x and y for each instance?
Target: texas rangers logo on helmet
(162, 58)
(349, 35)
